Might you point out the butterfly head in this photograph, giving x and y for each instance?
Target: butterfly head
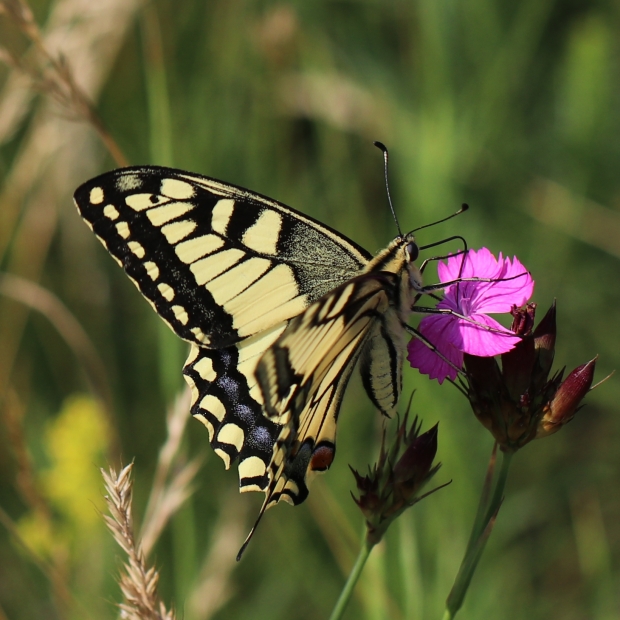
(398, 256)
(410, 252)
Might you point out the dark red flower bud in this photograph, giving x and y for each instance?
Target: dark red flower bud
(416, 461)
(485, 383)
(566, 401)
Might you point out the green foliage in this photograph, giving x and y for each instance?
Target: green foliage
(510, 107)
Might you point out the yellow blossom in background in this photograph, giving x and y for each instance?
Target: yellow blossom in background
(76, 442)
(36, 530)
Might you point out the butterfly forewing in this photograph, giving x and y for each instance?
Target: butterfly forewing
(218, 263)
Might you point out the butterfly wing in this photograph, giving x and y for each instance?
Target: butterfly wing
(226, 269)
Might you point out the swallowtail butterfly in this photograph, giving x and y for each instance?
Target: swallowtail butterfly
(277, 308)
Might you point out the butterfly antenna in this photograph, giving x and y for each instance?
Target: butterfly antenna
(383, 148)
(464, 207)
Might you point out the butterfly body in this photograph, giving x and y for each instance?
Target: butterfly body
(276, 306)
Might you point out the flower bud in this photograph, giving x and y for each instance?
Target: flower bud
(415, 463)
(394, 483)
(566, 401)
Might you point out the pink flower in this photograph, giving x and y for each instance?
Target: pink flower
(453, 336)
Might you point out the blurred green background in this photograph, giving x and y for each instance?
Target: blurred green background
(510, 107)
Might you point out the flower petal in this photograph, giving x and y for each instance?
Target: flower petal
(515, 288)
(476, 263)
(441, 331)
(483, 343)
(476, 333)
(513, 284)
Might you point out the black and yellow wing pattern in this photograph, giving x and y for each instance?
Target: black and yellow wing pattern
(276, 306)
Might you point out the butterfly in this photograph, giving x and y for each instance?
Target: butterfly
(276, 306)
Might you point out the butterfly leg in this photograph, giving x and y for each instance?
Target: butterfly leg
(422, 338)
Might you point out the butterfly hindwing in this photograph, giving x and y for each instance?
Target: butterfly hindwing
(237, 428)
(303, 376)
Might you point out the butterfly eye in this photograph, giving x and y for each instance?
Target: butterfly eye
(413, 251)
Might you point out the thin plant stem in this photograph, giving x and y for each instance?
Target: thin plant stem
(485, 500)
(498, 493)
(480, 534)
(356, 571)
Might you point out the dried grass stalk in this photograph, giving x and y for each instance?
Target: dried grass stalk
(50, 73)
(138, 582)
(173, 482)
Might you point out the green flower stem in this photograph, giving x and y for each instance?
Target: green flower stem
(349, 586)
(479, 536)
